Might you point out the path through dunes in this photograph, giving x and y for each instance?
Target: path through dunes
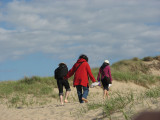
(70, 111)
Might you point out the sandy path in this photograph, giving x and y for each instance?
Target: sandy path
(48, 112)
(53, 111)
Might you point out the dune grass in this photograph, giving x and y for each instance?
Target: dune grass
(140, 79)
(36, 86)
(135, 70)
(28, 91)
(131, 71)
(16, 92)
(120, 101)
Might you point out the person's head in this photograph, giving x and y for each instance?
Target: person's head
(61, 64)
(84, 57)
(106, 62)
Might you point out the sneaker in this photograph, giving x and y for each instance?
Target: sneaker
(85, 100)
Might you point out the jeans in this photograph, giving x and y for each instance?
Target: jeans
(81, 94)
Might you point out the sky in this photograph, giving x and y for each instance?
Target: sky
(36, 35)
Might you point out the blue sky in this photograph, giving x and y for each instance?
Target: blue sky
(36, 35)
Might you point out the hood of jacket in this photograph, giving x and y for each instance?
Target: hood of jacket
(81, 60)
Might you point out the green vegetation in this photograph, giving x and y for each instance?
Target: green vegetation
(33, 90)
(120, 103)
(35, 85)
(135, 70)
(16, 92)
(140, 79)
(153, 93)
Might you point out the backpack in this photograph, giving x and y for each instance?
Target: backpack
(60, 72)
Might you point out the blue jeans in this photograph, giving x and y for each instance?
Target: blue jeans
(81, 94)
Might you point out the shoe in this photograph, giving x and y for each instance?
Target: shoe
(85, 100)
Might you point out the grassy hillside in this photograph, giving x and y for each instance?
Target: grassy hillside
(28, 91)
(139, 71)
(39, 90)
(135, 70)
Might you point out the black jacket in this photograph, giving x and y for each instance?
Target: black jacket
(60, 72)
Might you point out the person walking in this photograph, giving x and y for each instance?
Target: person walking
(105, 77)
(81, 71)
(60, 72)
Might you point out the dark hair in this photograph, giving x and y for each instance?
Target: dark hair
(84, 57)
(61, 64)
(103, 65)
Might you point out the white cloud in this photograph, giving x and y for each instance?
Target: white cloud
(116, 29)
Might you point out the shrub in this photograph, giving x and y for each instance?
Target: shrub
(45, 90)
(147, 58)
(157, 58)
(153, 93)
(7, 88)
(135, 59)
(15, 100)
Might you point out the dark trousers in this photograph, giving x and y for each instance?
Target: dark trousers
(60, 84)
(82, 92)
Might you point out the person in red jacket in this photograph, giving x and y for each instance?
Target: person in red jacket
(81, 71)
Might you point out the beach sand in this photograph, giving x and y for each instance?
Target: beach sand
(70, 111)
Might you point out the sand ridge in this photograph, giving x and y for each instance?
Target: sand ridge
(70, 111)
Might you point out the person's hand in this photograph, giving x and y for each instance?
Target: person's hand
(99, 83)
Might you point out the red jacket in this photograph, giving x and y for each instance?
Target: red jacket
(81, 74)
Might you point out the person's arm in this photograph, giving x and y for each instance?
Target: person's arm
(90, 73)
(70, 73)
(65, 72)
(55, 74)
(110, 76)
(98, 77)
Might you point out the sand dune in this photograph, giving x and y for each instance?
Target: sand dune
(70, 111)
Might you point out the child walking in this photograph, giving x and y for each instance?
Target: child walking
(60, 72)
